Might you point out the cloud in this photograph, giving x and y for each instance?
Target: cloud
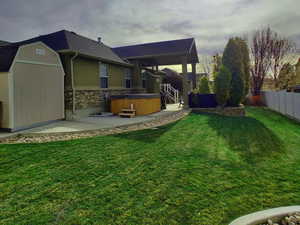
(136, 21)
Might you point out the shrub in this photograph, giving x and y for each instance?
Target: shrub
(217, 63)
(232, 59)
(222, 86)
(204, 85)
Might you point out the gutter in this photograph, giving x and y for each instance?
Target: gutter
(72, 83)
(125, 64)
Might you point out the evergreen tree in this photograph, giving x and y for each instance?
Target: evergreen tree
(222, 86)
(217, 63)
(232, 59)
(204, 85)
(246, 63)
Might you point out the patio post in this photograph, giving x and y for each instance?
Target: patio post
(194, 80)
(185, 84)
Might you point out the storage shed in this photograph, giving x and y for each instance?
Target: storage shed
(31, 86)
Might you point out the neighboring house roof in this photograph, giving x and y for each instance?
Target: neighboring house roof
(160, 49)
(192, 76)
(69, 41)
(7, 55)
(159, 72)
(3, 43)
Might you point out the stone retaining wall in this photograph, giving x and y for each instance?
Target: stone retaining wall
(62, 136)
(227, 111)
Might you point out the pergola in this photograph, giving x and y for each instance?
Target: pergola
(163, 53)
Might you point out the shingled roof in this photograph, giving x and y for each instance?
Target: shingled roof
(7, 55)
(3, 43)
(158, 50)
(69, 41)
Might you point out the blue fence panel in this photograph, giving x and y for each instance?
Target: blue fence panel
(202, 100)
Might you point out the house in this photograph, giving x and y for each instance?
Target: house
(31, 85)
(93, 72)
(173, 78)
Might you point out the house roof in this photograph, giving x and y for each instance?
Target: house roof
(7, 55)
(69, 41)
(160, 53)
(3, 43)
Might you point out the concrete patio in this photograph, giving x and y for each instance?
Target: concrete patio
(105, 121)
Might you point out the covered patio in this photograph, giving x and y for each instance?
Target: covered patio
(152, 55)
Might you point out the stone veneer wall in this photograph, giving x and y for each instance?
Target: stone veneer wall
(227, 111)
(94, 98)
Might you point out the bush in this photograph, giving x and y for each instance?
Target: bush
(222, 86)
(204, 85)
(233, 60)
(236, 91)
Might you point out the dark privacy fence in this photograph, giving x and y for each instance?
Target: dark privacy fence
(287, 103)
(202, 100)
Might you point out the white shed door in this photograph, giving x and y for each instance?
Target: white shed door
(38, 94)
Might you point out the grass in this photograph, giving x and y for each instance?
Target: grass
(204, 169)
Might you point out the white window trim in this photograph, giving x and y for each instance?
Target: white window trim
(100, 71)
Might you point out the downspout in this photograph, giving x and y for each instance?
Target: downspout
(72, 83)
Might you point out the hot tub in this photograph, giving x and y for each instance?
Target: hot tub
(144, 104)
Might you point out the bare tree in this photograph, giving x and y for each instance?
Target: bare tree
(261, 57)
(282, 53)
(269, 53)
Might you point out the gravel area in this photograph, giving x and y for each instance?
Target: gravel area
(41, 138)
(291, 219)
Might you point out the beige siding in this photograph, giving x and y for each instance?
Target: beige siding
(86, 73)
(87, 77)
(38, 83)
(5, 99)
(29, 53)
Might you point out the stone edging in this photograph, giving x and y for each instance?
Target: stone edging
(227, 111)
(62, 136)
(263, 216)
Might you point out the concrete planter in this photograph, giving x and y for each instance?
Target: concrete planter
(262, 216)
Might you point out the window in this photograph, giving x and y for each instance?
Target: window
(103, 75)
(128, 77)
(40, 51)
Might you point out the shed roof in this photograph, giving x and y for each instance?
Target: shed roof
(70, 41)
(7, 55)
(160, 53)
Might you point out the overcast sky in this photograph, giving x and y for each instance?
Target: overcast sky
(124, 22)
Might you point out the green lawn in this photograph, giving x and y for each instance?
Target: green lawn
(204, 169)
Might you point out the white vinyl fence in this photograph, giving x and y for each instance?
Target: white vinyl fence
(287, 103)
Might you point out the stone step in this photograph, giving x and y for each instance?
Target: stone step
(123, 114)
(128, 110)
